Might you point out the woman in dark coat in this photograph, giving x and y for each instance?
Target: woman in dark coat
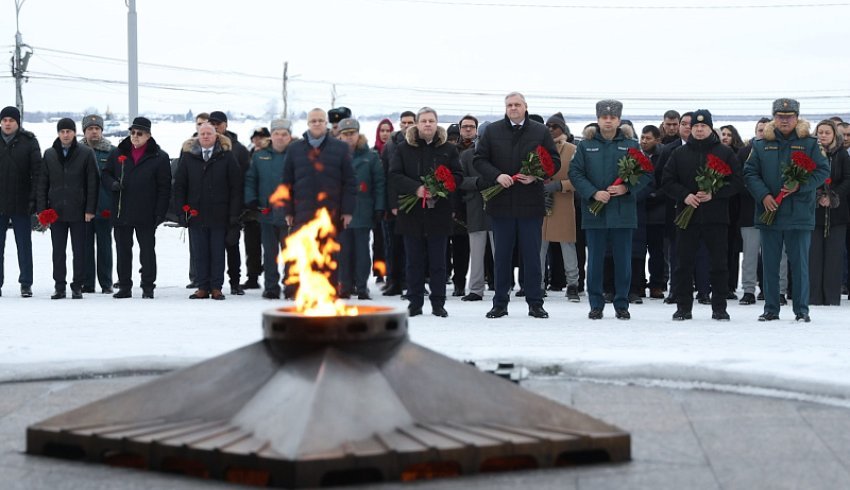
(139, 175)
(425, 230)
(826, 255)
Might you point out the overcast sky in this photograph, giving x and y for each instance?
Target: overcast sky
(386, 56)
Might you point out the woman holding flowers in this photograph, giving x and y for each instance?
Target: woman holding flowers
(701, 176)
(826, 256)
(424, 171)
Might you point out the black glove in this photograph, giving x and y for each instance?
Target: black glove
(117, 186)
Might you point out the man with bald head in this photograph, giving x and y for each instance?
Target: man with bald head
(318, 172)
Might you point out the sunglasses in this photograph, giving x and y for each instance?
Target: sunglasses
(136, 132)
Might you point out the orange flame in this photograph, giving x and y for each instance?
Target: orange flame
(380, 267)
(323, 196)
(309, 253)
(280, 195)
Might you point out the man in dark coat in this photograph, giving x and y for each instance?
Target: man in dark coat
(98, 230)
(425, 230)
(519, 209)
(68, 185)
(208, 199)
(317, 171)
(253, 241)
(710, 221)
(139, 175)
(20, 165)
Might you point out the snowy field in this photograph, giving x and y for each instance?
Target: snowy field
(41, 338)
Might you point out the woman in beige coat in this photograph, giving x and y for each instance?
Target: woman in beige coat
(559, 225)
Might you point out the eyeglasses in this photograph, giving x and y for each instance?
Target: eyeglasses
(468, 126)
(136, 132)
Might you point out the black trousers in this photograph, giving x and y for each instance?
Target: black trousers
(59, 232)
(253, 249)
(459, 250)
(688, 242)
(146, 236)
(234, 255)
(418, 249)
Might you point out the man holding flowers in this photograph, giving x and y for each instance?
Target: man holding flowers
(609, 207)
(700, 177)
(782, 173)
(425, 170)
(505, 155)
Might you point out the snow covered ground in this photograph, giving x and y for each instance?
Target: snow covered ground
(42, 338)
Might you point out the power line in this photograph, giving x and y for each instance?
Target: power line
(621, 7)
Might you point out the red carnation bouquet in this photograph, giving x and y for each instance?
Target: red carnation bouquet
(438, 183)
(47, 218)
(795, 174)
(189, 213)
(630, 168)
(710, 179)
(538, 164)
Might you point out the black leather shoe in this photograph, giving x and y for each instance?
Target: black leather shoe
(768, 317)
(76, 293)
(58, 294)
(782, 300)
(635, 299)
(760, 297)
(439, 311)
(704, 299)
(748, 299)
(267, 294)
(414, 310)
(192, 285)
(107, 290)
(520, 293)
(344, 295)
(670, 300)
(720, 315)
(622, 314)
(236, 290)
(497, 312)
(608, 297)
(147, 293)
(472, 297)
(88, 289)
(26, 291)
(595, 314)
(682, 315)
(392, 291)
(123, 293)
(364, 295)
(251, 283)
(458, 292)
(537, 312)
(572, 294)
(731, 296)
(803, 318)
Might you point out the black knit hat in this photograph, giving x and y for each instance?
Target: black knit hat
(453, 129)
(13, 112)
(536, 117)
(557, 119)
(66, 123)
(702, 116)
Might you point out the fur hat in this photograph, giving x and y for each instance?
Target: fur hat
(262, 132)
(609, 107)
(13, 112)
(349, 124)
(281, 124)
(702, 116)
(218, 117)
(66, 123)
(786, 105)
(338, 114)
(92, 120)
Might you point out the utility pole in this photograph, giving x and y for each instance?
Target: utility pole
(333, 96)
(132, 59)
(19, 63)
(285, 78)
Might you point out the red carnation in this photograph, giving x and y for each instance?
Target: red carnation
(122, 159)
(186, 208)
(105, 213)
(718, 165)
(445, 176)
(828, 181)
(265, 210)
(644, 162)
(193, 213)
(803, 161)
(364, 187)
(546, 161)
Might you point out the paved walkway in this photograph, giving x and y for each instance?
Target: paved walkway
(680, 440)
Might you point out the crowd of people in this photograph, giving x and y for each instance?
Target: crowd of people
(697, 207)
